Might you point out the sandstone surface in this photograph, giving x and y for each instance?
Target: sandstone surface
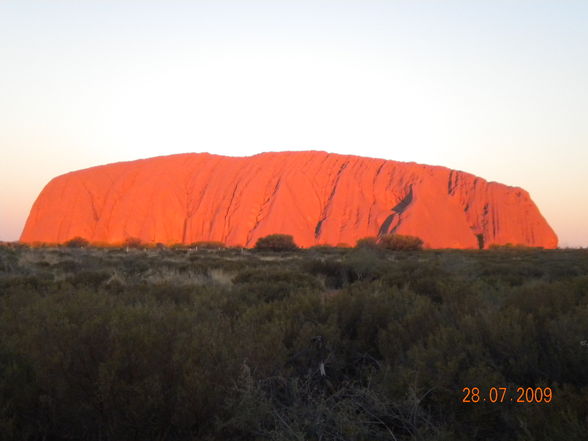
(317, 197)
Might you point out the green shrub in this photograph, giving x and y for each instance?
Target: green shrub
(400, 242)
(276, 242)
(208, 245)
(367, 242)
(365, 264)
(335, 274)
(323, 248)
(89, 278)
(267, 285)
(512, 247)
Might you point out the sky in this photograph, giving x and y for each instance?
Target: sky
(495, 88)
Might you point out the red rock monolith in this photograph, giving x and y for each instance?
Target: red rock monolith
(317, 197)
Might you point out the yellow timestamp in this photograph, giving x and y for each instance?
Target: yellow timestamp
(474, 395)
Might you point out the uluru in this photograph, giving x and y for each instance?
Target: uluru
(317, 197)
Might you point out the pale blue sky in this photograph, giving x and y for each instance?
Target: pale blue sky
(495, 88)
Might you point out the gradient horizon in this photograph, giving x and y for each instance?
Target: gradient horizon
(496, 89)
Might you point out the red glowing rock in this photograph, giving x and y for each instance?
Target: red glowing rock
(318, 198)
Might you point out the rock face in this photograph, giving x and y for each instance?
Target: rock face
(317, 197)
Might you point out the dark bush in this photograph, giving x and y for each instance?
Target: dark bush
(77, 242)
(208, 245)
(133, 242)
(276, 242)
(400, 242)
(323, 248)
(512, 247)
(367, 242)
(336, 274)
(266, 285)
(89, 278)
(365, 264)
